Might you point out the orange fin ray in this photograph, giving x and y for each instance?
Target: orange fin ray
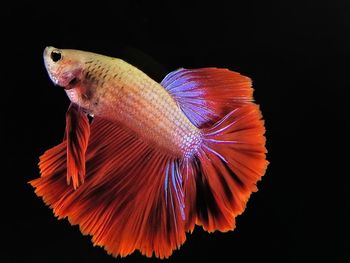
(130, 198)
(226, 169)
(77, 136)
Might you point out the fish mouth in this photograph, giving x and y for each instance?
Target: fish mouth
(64, 87)
(62, 75)
(72, 83)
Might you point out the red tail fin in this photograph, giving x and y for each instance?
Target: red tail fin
(224, 172)
(226, 169)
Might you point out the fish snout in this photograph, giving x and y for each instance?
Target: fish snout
(52, 57)
(46, 51)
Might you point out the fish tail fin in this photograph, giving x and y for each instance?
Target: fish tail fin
(224, 172)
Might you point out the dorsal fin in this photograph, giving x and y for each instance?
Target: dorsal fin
(206, 95)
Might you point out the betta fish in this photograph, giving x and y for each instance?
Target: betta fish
(142, 163)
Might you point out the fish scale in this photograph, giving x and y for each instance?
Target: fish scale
(127, 95)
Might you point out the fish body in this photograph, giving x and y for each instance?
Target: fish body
(157, 158)
(115, 90)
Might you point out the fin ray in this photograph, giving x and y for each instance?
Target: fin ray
(122, 202)
(226, 169)
(77, 136)
(205, 95)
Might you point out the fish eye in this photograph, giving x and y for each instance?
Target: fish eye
(56, 55)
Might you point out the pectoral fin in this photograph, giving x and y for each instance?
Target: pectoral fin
(77, 136)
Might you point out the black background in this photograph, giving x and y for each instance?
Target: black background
(297, 53)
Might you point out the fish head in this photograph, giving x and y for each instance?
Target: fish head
(64, 66)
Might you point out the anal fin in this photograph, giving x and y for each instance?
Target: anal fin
(131, 198)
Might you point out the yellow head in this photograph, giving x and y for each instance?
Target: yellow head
(64, 66)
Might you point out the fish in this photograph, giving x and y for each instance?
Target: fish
(141, 162)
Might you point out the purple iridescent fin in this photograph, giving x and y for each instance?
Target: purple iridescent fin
(205, 95)
(189, 94)
(173, 185)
